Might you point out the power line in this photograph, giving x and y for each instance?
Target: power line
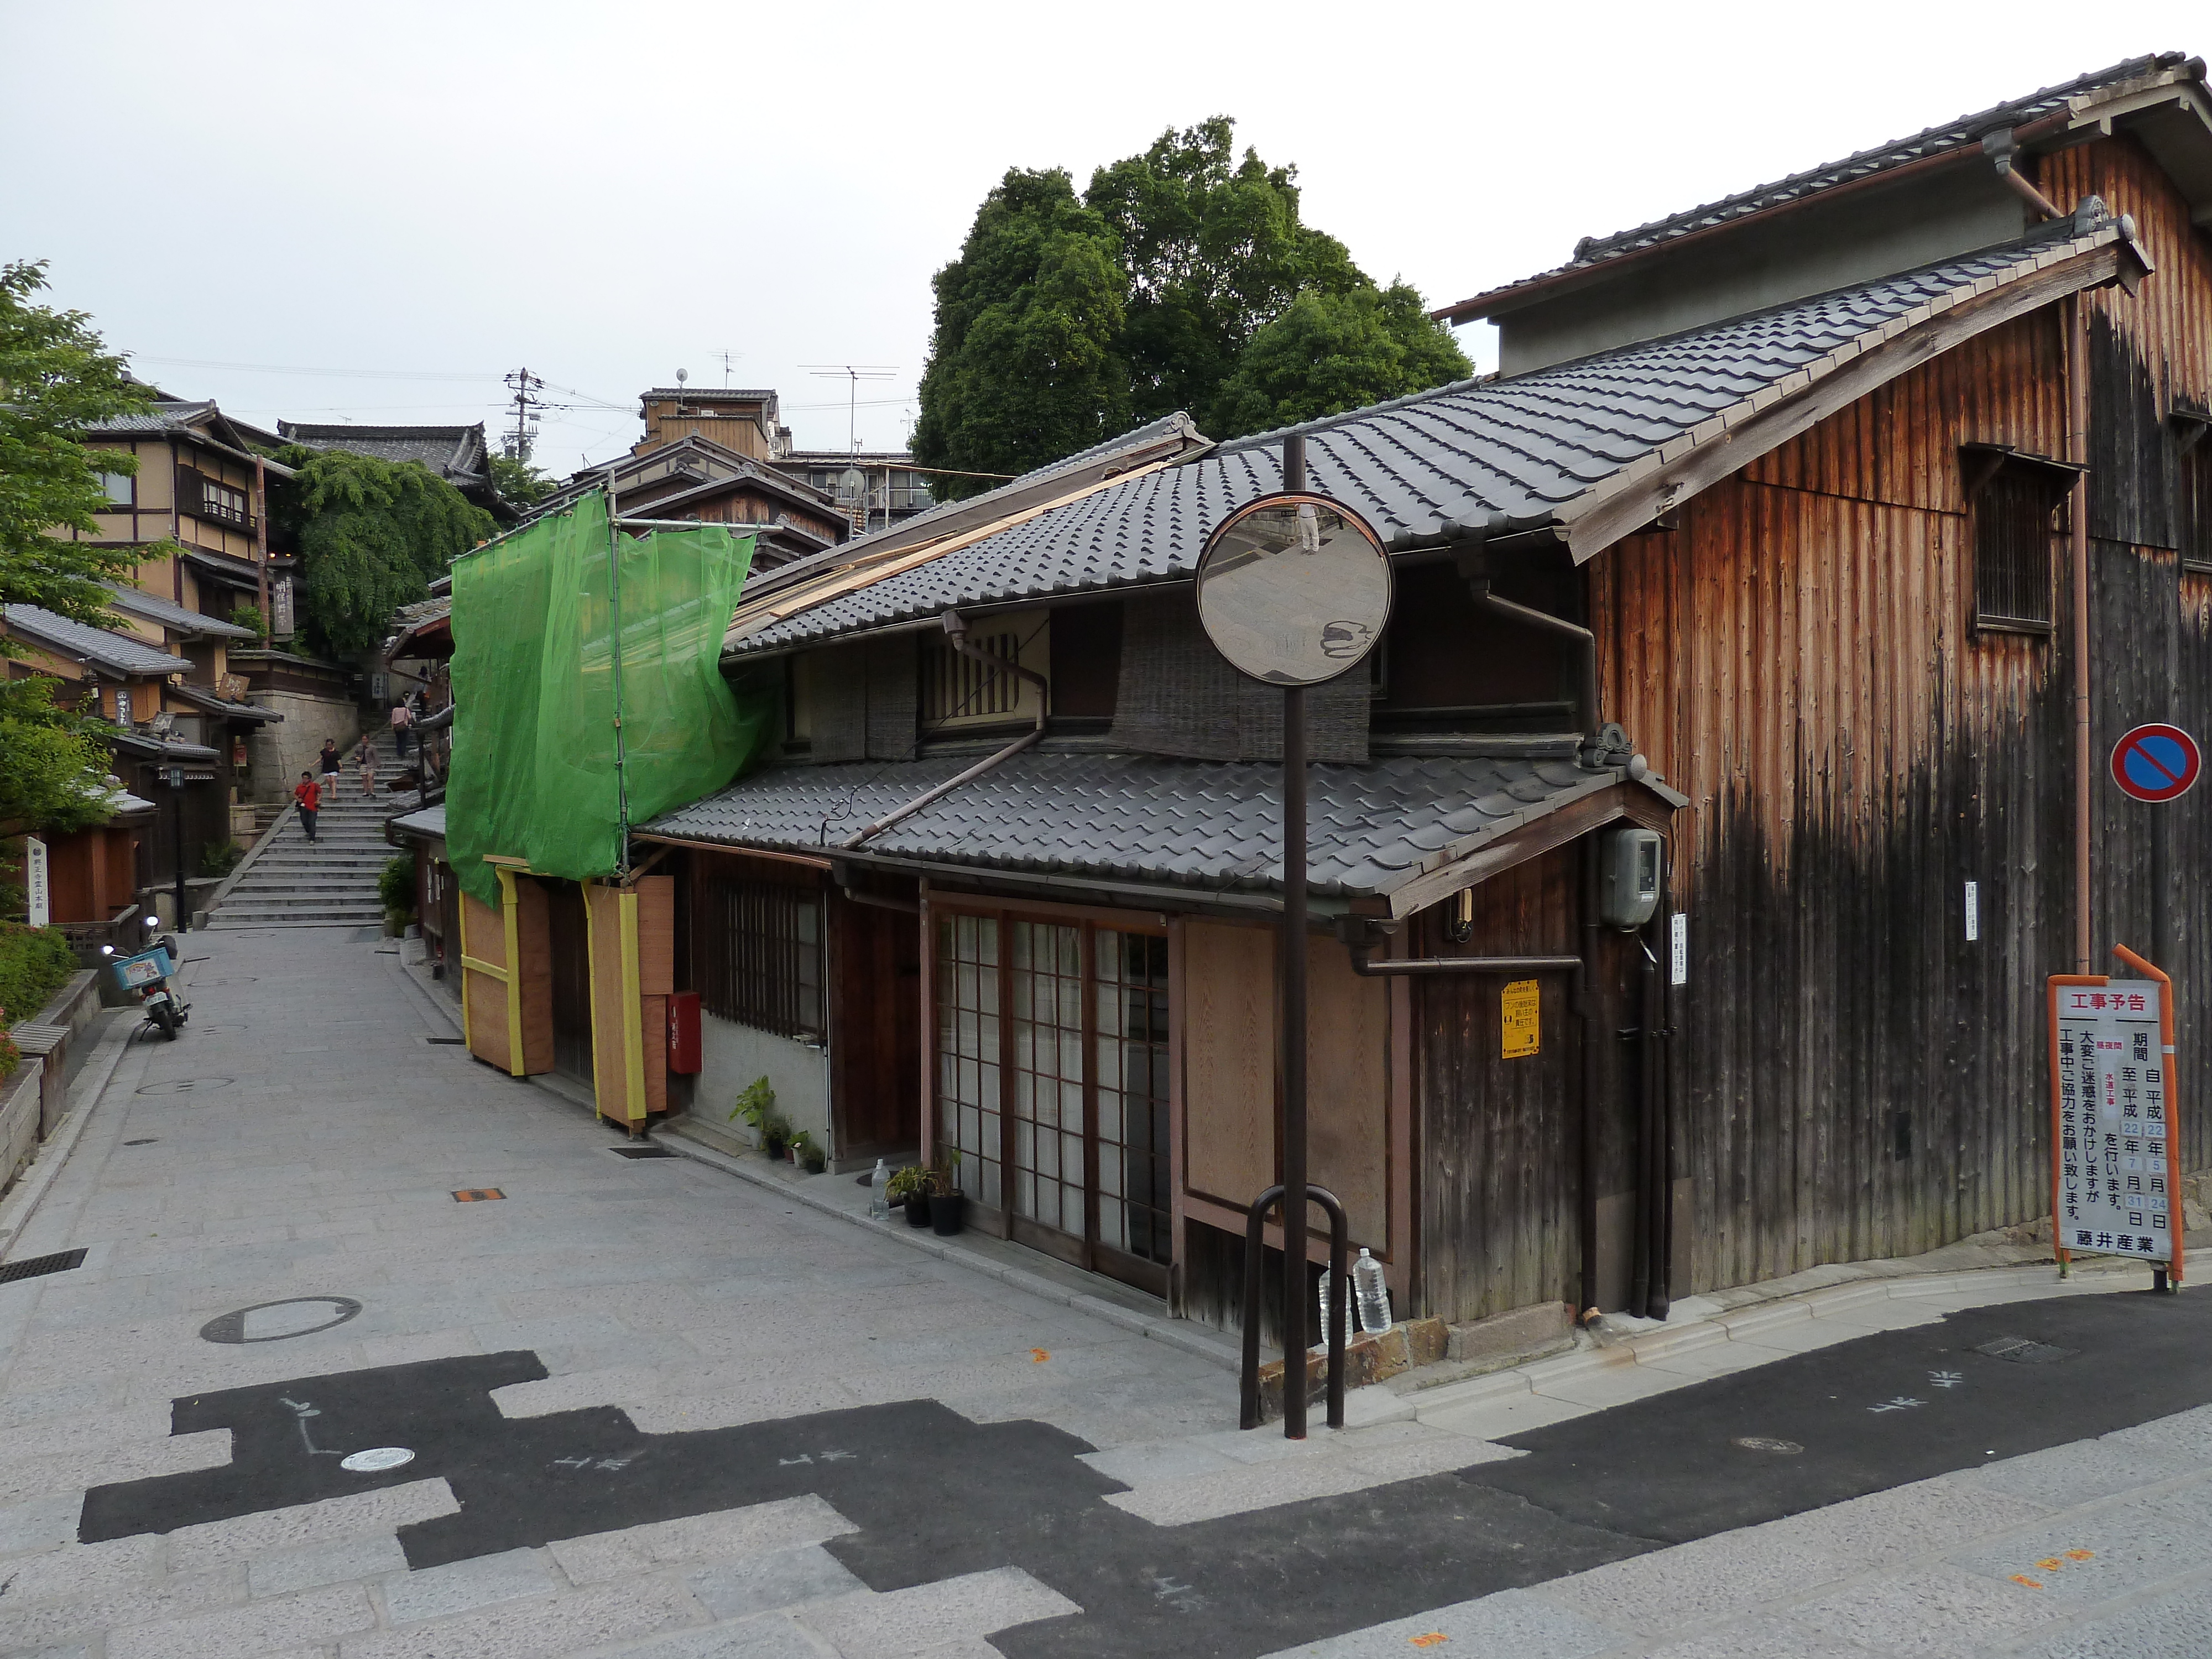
(525, 388)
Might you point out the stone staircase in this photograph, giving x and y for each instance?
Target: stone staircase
(332, 883)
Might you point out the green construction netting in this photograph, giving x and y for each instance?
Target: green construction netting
(533, 764)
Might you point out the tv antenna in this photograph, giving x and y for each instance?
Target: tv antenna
(525, 388)
(851, 374)
(729, 358)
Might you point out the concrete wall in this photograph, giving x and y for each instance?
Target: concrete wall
(279, 753)
(732, 1055)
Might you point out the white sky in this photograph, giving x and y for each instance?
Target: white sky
(412, 200)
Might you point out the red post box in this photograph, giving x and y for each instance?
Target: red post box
(684, 1033)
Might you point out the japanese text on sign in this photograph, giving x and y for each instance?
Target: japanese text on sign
(1517, 1018)
(2112, 1075)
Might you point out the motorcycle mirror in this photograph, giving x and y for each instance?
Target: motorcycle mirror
(107, 950)
(153, 922)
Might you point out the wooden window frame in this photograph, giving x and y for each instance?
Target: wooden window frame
(1089, 1252)
(748, 952)
(1999, 480)
(2193, 490)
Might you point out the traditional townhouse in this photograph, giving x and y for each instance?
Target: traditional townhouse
(1686, 864)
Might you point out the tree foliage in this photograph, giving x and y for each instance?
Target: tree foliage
(372, 536)
(1025, 366)
(520, 483)
(1172, 285)
(1330, 352)
(56, 378)
(1215, 250)
(52, 774)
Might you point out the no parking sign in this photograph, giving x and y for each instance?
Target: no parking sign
(2156, 762)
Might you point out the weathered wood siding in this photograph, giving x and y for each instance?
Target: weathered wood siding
(1853, 1078)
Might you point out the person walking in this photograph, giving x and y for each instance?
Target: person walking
(309, 794)
(403, 718)
(327, 765)
(365, 757)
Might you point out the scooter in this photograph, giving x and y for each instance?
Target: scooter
(147, 975)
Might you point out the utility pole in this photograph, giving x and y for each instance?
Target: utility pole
(526, 404)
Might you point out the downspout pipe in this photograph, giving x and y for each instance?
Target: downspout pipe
(1471, 556)
(2078, 513)
(956, 630)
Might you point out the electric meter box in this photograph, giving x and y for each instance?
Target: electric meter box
(1628, 878)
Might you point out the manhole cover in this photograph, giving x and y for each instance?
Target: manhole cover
(187, 1085)
(1760, 1443)
(272, 1322)
(376, 1458)
(2022, 1352)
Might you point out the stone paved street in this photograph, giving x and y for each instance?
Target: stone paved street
(654, 1409)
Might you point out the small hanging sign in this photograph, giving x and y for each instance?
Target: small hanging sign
(1517, 1018)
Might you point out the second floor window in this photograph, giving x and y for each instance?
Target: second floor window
(2013, 502)
(954, 685)
(220, 501)
(121, 488)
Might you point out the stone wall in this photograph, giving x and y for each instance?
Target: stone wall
(280, 751)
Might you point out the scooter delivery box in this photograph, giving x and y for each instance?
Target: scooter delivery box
(131, 973)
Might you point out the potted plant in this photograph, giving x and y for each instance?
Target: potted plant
(909, 1187)
(948, 1205)
(756, 1105)
(808, 1155)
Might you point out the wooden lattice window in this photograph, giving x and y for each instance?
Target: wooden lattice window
(2012, 502)
(758, 951)
(955, 685)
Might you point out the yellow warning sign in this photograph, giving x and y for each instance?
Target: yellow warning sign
(1517, 1018)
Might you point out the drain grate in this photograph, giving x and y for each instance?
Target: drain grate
(144, 1140)
(478, 1194)
(442, 1042)
(2022, 1352)
(186, 1086)
(37, 1267)
(647, 1151)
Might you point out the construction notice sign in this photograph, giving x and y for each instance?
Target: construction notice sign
(2116, 1175)
(1518, 1019)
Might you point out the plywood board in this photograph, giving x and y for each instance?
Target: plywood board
(656, 936)
(532, 978)
(656, 1053)
(610, 1072)
(1228, 992)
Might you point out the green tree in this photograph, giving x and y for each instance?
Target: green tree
(1330, 352)
(52, 773)
(56, 378)
(1215, 249)
(372, 536)
(520, 482)
(1024, 365)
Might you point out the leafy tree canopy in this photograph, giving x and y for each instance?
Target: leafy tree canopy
(1215, 249)
(1331, 352)
(53, 776)
(372, 536)
(1025, 366)
(56, 378)
(520, 482)
(1171, 285)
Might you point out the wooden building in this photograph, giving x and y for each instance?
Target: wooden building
(696, 476)
(1787, 553)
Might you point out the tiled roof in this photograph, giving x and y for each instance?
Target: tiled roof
(136, 602)
(1208, 825)
(428, 821)
(166, 415)
(1511, 453)
(453, 452)
(116, 652)
(200, 698)
(1958, 135)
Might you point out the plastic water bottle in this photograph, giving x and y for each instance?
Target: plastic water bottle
(1374, 1296)
(879, 1181)
(1329, 1286)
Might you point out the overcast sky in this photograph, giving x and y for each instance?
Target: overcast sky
(373, 212)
